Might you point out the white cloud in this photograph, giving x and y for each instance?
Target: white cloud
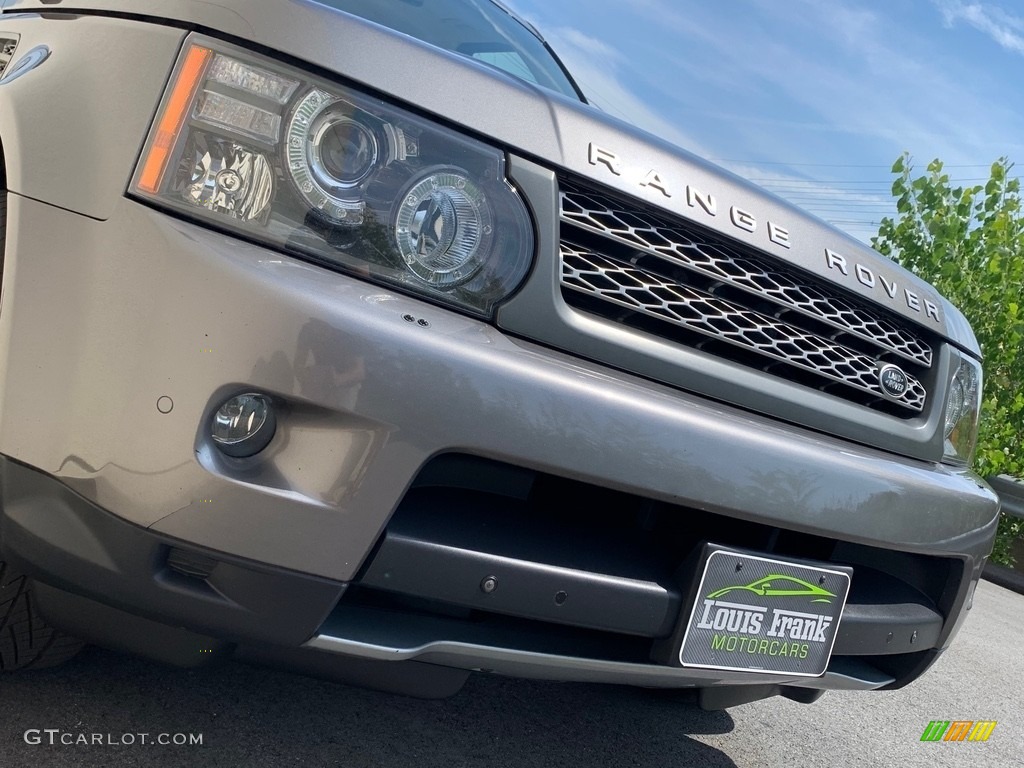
(597, 68)
(850, 73)
(589, 45)
(1006, 29)
(807, 81)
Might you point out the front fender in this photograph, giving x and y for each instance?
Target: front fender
(80, 155)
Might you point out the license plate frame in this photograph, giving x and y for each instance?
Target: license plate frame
(768, 615)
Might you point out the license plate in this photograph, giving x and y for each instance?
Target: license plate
(760, 614)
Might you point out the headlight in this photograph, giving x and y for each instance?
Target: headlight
(963, 404)
(326, 172)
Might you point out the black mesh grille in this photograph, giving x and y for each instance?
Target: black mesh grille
(670, 279)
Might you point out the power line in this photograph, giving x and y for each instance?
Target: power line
(841, 201)
(826, 183)
(830, 165)
(858, 211)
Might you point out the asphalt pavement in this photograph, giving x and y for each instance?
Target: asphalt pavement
(246, 716)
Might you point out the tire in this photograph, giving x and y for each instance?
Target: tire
(26, 641)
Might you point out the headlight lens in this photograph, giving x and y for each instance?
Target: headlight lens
(329, 173)
(963, 405)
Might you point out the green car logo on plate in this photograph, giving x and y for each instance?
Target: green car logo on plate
(777, 585)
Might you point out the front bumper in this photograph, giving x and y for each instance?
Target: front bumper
(366, 400)
(127, 587)
(144, 306)
(106, 314)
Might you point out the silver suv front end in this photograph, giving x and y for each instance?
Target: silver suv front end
(507, 468)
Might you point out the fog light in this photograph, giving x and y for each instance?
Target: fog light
(244, 425)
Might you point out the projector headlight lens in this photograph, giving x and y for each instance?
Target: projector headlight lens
(332, 148)
(328, 173)
(344, 150)
(443, 227)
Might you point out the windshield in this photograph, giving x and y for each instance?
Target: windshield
(478, 29)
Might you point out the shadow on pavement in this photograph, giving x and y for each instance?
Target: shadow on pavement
(250, 716)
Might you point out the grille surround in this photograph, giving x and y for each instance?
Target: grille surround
(703, 313)
(621, 261)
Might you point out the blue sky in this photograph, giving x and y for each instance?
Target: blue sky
(813, 99)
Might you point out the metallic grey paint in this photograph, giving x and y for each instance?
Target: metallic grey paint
(85, 169)
(110, 305)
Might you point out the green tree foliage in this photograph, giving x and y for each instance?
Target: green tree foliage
(969, 243)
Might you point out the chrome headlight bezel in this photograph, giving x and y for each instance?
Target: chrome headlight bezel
(328, 172)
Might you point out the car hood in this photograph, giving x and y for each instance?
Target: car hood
(552, 130)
